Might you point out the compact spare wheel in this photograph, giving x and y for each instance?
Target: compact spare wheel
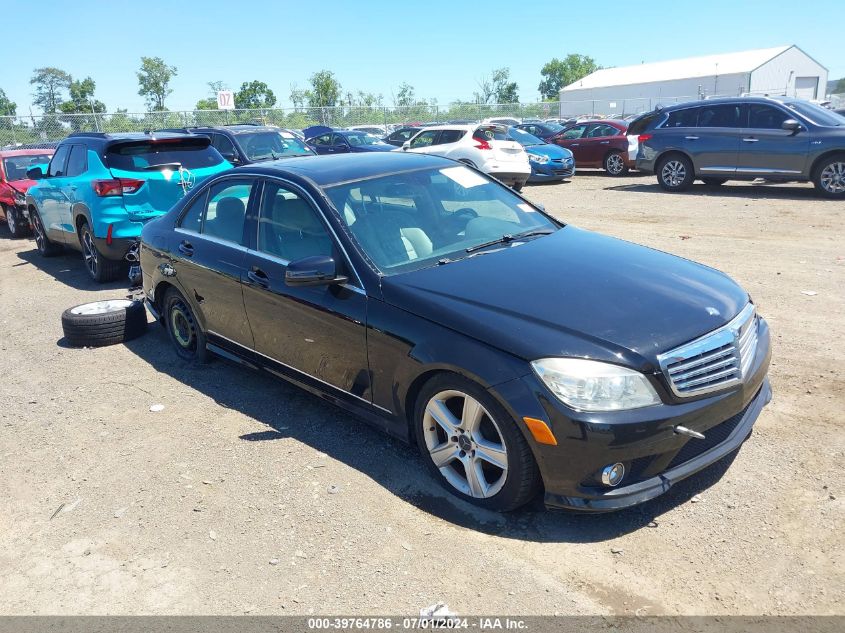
(104, 322)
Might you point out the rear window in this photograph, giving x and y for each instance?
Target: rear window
(491, 133)
(188, 154)
(644, 122)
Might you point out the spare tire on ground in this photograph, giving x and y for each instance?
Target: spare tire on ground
(104, 322)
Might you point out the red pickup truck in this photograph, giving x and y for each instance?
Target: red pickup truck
(14, 183)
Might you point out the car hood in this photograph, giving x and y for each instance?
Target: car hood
(547, 149)
(22, 186)
(573, 293)
(373, 148)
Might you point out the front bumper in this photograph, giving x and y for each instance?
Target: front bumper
(643, 440)
(550, 171)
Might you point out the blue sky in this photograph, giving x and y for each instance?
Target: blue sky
(442, 48)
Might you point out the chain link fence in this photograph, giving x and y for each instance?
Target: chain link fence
(40, 129)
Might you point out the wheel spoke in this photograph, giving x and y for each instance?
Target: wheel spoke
(448, 422)
(491, 453)
(444, 454)
(478, 485)
(472, 414)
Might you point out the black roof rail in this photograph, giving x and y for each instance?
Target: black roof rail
(88, 135)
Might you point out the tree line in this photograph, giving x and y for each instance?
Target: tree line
(57, 93)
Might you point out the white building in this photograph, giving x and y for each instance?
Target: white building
(784, 70)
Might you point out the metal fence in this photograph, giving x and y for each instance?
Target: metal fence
(19, 130)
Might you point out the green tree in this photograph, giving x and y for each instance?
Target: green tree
(50, 84)
(254, 94)
(839, 88)
(154, 81)
(504, 90)
(7, 107)
(405, 97)
(325, 90)
(80, 109)
(297, 97)
(210, 102)
(560, 73)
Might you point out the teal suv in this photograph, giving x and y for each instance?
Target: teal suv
(99, 190)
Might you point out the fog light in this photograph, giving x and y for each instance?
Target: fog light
(611, 475)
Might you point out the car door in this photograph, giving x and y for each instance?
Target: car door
(714, 143)
(571, 139)
(210, 257)
(322, 144)
(54, 206)
(75, 169)
(339, 144)
(317, 330)
(595, 142)
(448, 144)
(766, 148)
(423, 142)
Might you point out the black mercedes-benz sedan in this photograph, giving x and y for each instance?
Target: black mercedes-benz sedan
(519, 353)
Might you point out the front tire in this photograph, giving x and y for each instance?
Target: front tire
(829, 177)
(99, 268)
(14, 222)
(45, 247)
(614, 164)
(472, 446)
(183, 329)
(675, 173)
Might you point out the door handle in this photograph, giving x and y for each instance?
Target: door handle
(258, 276)
(186, 248)
(575, 145)
(750, 139)
(691, 138)
(605, 143)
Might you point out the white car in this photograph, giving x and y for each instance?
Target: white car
(485, 147)
(378, 131)
(503, 120)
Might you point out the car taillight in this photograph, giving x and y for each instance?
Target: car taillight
(482, 144)
(116, 186)
(642, 138)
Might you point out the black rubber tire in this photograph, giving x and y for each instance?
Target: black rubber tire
(21, 229)
(104, 270)
(615, 172)
(817, 174)
(107, 328)
(195, 350)
(523, 478)
(689, 173)
(45, 247)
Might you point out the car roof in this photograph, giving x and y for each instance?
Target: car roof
(330, 170)
(241, 128)
(111, 138)
(725, 101)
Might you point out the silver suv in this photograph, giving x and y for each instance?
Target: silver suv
(741, 139)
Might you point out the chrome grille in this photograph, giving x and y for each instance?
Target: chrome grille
(714, 361)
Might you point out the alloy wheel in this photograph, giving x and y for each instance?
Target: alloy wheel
(11, 220)
(833, 177)
(89, 252)
(615, 164)
(466, 444)
(40, 237)
(673, 173)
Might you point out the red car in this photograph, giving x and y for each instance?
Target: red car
(14, 183)
(600, 143)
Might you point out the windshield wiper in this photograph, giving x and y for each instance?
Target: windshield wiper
(509, 237)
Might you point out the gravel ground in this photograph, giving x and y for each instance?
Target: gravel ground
(246, 495)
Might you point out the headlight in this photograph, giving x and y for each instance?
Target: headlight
(19, 197)
(538, 158)
(589, 385)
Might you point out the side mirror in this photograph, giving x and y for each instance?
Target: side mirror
(317, 270)
(231, 157)
(35, 173)
(792, 125)
(406, 146)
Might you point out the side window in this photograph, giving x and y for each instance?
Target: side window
(192, 218)
(339, 139)
(766, 117)
(719, 116)
(682, 118)
(78, 162)
(424, 139)
(325, 139)
(226, 210)
(601, 130)
(450, 136)
(57, 165)
(288, 226)
(223, 145)
(574, 132)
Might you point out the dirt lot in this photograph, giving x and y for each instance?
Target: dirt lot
(221, 502)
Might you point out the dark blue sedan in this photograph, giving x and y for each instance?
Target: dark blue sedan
(344, 141)
(549, 163)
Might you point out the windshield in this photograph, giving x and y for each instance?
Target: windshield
(552, 128)
(816, 114)
(417, 219)
(362, 138)
(16, 166)
(524, 138)
(142, 156)
(260, 146)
